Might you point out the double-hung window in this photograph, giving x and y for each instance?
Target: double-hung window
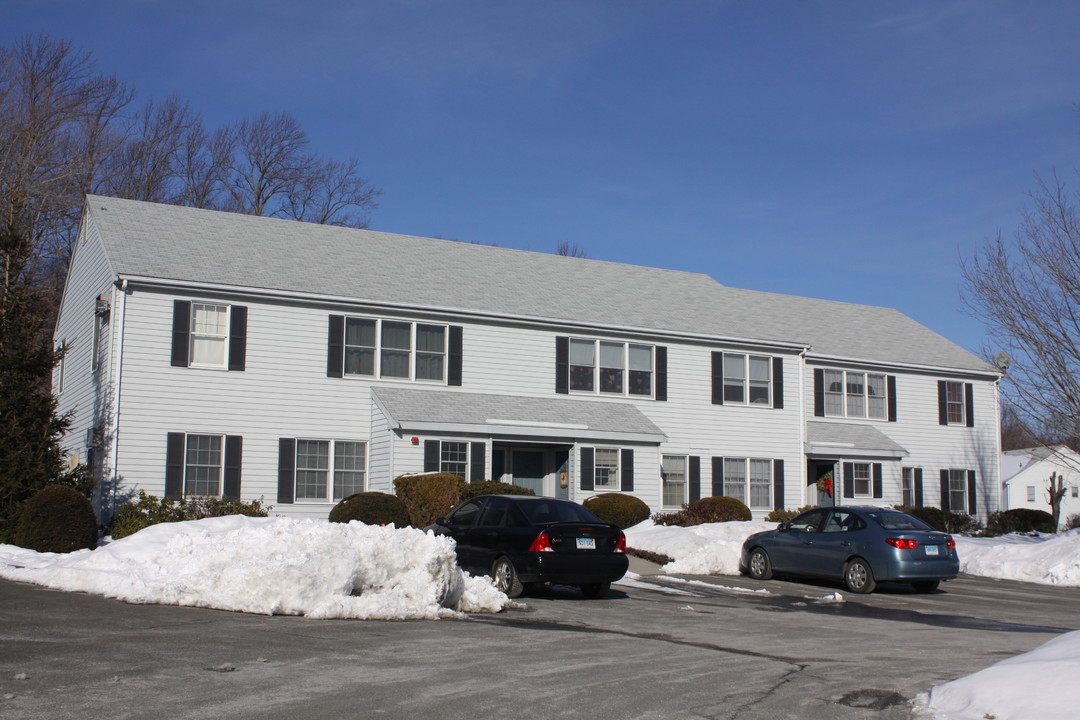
(855, 394)
(202, 465)
(622, 368)
(378, 348)
(197, 463)
(749, 480)
(954, 403)
(957, 489)
(209, 333)
(747, 378)
(454, 457)
(907, 486)
(673, 476)
(329, 469)
(606, 469)
(862, 479)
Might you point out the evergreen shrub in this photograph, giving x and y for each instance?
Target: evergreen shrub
(148, 510)
(618, 509)
(1019, 520)
(370, 508)
(779, 516)
(943, 520)
(493, 487)
(429, 496)
(56, 519)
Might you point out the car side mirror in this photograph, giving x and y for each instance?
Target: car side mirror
(782, 527)
(442, 521)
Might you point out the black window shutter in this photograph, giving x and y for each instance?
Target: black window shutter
(918, 499)
(431, 456)
(879, 490)
(174, 465)
(890, 383)
(626, 472)
(849, 480)
(661, 372)
(453, 360)
(695, 478)
(944, 489)
(718, 378)
(587, 480)
(234, 453)
(717, 476)
(477, 452)
(942, 403)
(972, 505)
(969, 403)
(819, 392)
(778, 484)
(286, 474)
(335, 347)
(237, 337)
(778, 384)
(181, 332)
(562, 365)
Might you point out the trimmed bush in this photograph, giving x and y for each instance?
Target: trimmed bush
(618, 509)
(370, 508)
(1019, 520)
(57, 519)
(147, 510)
(1072, 522)
(943, 520)
(779, 516)
(428, 497)
(729, 503)
(493, 487)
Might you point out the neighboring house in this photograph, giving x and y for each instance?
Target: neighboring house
(1026, 479)
(224, 354)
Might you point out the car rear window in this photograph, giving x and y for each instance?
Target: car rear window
(898, 521)
(542, 511)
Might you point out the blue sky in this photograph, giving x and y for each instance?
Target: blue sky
(850, 150)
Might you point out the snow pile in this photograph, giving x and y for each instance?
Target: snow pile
(709, 549)
(1019, 688)
(1046, 559)
(271, 566)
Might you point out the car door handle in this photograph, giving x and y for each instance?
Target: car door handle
(491, 534)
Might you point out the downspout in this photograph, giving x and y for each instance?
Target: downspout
(118, 365)
(802, 425)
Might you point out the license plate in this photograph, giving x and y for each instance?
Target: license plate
(586, 543)
(933, 550)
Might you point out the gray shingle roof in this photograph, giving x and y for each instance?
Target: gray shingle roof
(417, 410)
(185, 244)
(850, 439)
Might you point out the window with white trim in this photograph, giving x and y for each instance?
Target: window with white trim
(862, 479)
(1031, 493)
(454, 457)
(855, 394)
(395, 349)
(1075, 491)
(907, 486)
(747, 379)
(958, 487)
(329, 469)
(202, 465)
(209, 334)
(750, 481)
(606, 468)
(622, 368)
(673, 477)
(955, 405)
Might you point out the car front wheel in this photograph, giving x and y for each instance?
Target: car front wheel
(506, 577)
(858, 577)
(760, 565)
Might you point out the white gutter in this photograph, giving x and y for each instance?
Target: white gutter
(937, 369)
(802, 426)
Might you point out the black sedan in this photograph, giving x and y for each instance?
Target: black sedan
(859, 545)
(521, 540)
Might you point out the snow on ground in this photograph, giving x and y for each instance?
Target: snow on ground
(1002, 691)
(271, 566)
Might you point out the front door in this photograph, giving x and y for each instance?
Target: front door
(528, 470)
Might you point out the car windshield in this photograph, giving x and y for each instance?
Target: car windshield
(544, 510)
(898, 521)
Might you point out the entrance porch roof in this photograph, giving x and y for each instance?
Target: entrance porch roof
(825, 439)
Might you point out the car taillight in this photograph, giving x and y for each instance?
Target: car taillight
(951, 544)
(620, 544)
(902, 543)
(542, 543)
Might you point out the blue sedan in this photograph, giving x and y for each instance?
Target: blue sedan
(859, 545)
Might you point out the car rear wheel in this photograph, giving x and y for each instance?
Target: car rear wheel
(506, 577)
(925, 586)
(760, 565)
(858, 577)
(595, 590)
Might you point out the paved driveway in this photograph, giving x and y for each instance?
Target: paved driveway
(714, 652)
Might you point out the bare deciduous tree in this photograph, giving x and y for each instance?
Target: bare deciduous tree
(1055, 491)
(1027, 292)
(570, 249)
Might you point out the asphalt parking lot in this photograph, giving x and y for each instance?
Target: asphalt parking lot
(707, 648)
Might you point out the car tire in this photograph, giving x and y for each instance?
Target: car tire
(926, 586)
(858, 577)
(595, 591)
(759, 565)
(506, 577)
